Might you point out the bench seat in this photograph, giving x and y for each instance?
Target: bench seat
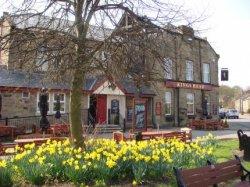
(212, 175)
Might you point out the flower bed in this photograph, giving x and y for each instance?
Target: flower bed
(103, 162)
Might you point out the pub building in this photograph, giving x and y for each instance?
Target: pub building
(188, 89)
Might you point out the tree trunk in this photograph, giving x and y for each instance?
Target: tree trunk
(75, 108)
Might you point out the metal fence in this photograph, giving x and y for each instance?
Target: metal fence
(30, 122)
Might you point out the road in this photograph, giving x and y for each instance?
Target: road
(242, 123)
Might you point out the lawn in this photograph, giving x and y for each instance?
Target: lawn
(226, 150)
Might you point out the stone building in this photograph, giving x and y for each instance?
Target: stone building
(187, 86)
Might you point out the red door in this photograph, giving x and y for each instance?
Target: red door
(101, 108)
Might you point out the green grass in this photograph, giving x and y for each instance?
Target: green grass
(226, 150)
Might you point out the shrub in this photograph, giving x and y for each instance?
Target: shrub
(104, 161)
(5, 174)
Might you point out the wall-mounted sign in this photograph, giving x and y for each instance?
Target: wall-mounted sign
(114, 106)
(224, 74)
(158, 108)
(129, 114)
(187, 85)
(140, 114)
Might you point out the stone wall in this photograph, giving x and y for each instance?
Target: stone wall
(199, 51)
(13, 104)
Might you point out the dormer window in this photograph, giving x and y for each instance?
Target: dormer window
(40, 62)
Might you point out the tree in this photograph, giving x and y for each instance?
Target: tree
(229, 94)
(79, 37)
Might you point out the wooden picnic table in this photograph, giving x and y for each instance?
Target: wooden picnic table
(146, 135)
(8, 130)
(60, 129)
(34, 136)
(37, 141)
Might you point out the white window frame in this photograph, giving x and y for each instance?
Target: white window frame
(37, 101)
(168, 68)
(169, 94)
(190, 103)
(61, 102)
(24, 97)
(189, 70)
(206, 72)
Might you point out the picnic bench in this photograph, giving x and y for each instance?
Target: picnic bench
(119, 136)
(11, 131)
(23, 142)
(59, 130)
(5, 146)
(212, 175)
(36, 141)
(206, 124)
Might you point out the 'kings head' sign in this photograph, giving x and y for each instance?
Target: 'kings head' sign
(188, 85)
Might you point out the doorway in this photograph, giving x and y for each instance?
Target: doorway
(92, 109)
(101, 109)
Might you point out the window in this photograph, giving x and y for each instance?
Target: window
(37, 108)
(190, 104)
(189, 71)
(168, 68)
(62, 101)
(207, 98)
(25, 95)
(168, 103)
(40, 61)
(206, 72)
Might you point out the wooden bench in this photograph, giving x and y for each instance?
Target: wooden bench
(59, 130)
(8, 131)
(119, 136)
(206, 124)
(5, 146)
(165, 135)
(212, 175)
(36, 141)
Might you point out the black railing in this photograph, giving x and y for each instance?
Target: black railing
(30, 122)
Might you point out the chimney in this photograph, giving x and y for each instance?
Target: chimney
(186, 30)
(6, 14)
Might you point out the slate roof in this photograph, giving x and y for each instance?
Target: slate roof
(20, 79)
(23, 21)
(130, 88)
(17, 78)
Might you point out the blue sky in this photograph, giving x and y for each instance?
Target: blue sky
(227, 28)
